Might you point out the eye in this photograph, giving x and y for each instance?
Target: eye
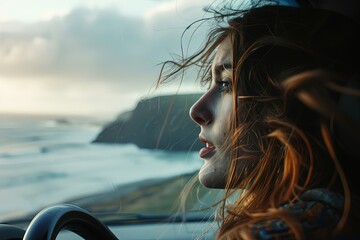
(224, 84)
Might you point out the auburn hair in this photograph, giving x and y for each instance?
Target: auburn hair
(291, 68)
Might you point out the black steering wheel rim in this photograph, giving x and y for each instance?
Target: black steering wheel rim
(47, 224)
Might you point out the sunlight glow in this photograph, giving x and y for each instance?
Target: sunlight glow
(87, 57)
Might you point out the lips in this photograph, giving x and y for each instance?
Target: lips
(208, 150)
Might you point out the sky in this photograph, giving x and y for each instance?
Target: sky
(89, 57)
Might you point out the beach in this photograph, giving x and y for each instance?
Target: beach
(44, 162)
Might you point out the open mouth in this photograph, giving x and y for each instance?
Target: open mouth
(208, 150)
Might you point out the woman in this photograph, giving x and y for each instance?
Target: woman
(280, 122)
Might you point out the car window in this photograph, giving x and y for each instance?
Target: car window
(80, 119)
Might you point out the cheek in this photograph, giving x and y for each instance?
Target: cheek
(225, 128)
(222, 131)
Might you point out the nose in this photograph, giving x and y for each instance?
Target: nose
(200, 112)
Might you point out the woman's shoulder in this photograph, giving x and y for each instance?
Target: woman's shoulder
(318, 211)
(318, 198)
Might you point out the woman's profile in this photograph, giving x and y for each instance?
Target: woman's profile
(280, 121)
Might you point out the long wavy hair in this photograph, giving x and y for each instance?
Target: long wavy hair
(292, 68)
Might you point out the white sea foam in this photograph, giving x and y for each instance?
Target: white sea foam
(42, 165)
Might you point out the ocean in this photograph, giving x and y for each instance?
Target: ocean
(46, 160)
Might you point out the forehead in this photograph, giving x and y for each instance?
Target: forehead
(223, 55)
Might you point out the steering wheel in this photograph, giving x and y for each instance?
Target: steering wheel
(51, 220)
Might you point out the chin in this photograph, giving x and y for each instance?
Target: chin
(212, 179)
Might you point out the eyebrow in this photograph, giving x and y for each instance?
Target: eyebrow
(221, 67)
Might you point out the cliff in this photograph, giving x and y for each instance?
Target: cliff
(161, 122)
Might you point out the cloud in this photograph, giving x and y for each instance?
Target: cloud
(85, 43)
(183, 8)
(88, 43)
(86, 49)
(54, 13)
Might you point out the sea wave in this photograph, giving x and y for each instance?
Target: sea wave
(42, 166)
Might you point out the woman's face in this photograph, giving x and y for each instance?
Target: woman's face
(212, 112)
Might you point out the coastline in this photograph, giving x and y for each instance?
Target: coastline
(158, 195)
